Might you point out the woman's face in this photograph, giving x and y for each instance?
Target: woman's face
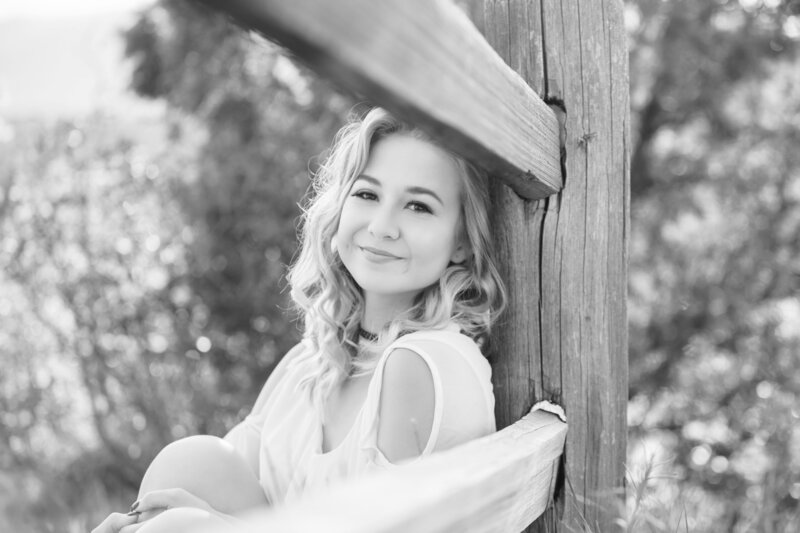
(400, 224)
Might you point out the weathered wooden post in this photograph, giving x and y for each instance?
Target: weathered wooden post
(565, 257)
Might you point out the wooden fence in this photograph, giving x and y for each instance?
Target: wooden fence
(561, 213)
(500, 483)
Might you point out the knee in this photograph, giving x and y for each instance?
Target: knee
(208, 467)
(195, 447)
(184, 519)
(181, 460)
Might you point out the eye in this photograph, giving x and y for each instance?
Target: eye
(419, 207)
(365, 195)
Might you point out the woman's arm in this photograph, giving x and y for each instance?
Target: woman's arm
(407, 403)
(434, 395)
(245, 437)
(184, 519)
(175, 510)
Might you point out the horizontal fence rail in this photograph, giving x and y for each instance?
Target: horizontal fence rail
(425, 61)
(499, 483)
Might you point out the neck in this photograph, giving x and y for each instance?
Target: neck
(380, 310)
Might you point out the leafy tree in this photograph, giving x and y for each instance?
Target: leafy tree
(93, 255)
(714, 256)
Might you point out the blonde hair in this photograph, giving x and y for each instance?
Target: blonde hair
(470, 294)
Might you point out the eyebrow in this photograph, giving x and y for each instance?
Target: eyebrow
(413, 190)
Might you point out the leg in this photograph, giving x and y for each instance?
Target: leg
(209, 468)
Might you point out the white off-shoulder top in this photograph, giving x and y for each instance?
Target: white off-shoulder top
(281, 439)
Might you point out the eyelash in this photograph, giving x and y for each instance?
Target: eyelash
(417, 207)
(365, 195)
(420, 207)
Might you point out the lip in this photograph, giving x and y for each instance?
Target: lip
(378, 252)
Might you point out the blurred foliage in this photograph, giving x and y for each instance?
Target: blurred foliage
(715, 258)
(142, 295)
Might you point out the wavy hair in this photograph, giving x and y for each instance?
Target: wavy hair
(470, 294)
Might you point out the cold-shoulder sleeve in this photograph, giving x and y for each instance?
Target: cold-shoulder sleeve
(463, 407)
(407, 405)
(246, 435)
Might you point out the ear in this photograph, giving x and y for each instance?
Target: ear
(460, 252)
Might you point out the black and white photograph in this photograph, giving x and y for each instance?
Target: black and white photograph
(400, 266)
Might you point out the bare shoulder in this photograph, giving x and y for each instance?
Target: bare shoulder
(407, 383)
(406, 405)
(407, 367)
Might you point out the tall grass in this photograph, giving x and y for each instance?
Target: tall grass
(653, 502)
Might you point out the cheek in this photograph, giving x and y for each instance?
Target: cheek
(345, 237)
(345, 228)
(437, 249)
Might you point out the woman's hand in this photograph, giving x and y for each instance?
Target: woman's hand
(156, 502)
(150, 505)
(115, 522)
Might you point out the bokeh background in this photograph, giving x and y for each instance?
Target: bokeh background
(151, 161)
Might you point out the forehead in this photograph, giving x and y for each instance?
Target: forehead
(403, 161)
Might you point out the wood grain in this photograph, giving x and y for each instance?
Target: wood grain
(425, 61)
(497, 484)
(565, 258)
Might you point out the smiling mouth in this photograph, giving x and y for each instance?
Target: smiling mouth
(379, 253)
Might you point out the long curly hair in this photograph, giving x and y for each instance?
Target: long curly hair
(470, 294)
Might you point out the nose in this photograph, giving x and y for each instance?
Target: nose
(383, 224)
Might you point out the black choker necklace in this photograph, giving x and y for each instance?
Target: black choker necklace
(368, 335)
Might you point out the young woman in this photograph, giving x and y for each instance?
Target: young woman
(398, 291)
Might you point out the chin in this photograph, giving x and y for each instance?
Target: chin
(382, 287)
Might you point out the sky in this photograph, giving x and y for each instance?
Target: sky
(66, 8)
(63, 59)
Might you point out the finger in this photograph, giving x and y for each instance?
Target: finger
(133, 528)
(169, 499)
(148, 515)
(114, 522)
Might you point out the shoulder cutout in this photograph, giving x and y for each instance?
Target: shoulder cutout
(407, 405)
